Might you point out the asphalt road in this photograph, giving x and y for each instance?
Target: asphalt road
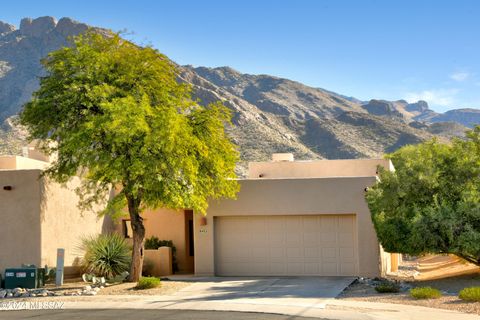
(142, 314)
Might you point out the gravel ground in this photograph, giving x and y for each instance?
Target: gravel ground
(166, 288)
(449, 286)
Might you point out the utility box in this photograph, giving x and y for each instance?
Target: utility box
(27, 278)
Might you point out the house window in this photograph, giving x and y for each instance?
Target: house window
(127, 228)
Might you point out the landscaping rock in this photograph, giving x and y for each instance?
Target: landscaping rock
(3, 293)
(9, 295)
(87, 288)
(17, 290)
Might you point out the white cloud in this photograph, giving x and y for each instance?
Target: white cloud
(459, 76)
(439, 97)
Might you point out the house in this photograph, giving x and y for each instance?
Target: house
(37, 216)
(290, 218)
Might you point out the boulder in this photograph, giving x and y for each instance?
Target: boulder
(68, 27)
(6, 27)
(37, 27)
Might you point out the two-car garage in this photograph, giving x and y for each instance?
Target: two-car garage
(323, 245)
(290, 227)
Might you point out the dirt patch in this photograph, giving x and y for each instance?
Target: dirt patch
(166, 288)
(449, 287)
(128, 288)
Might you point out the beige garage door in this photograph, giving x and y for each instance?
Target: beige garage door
(286, 245)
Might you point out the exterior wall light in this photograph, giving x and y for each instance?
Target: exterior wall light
(7, 188)
(203, 221)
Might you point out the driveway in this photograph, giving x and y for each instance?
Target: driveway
(309, 292)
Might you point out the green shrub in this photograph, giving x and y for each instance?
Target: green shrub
(387, 287)
(153, 243)
(470, 294)
(148, 283)
(425, 293)
(106, 255)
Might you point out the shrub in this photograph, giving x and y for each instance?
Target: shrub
(148, 283)
(153, 243)
(425, 293)
(470, 294)
(387, 287)
(106, 255)
(148, 266)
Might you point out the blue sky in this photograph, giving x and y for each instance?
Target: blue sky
(367, 49)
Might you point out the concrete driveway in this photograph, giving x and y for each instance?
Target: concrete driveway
(285, 295)
(308, 291)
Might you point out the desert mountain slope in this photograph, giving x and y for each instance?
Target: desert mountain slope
(270, 114)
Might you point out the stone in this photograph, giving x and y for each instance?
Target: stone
(68, 27)
(87, 288)
(90, 293)
(17, 290)
(6, 27)
(9, 295)
(3, 293)
(37, 27)
(25, 295)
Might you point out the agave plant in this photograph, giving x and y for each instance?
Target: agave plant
(106, 255)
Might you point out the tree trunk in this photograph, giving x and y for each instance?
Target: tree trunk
(138, 238)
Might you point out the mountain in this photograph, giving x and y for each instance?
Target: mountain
(270, 114)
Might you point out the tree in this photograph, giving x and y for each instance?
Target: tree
(118, 117)
(431, 202)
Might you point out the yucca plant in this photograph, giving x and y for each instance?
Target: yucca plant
(106, 255)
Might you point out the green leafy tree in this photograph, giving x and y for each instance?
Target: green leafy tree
(431, 202)
(117, 116)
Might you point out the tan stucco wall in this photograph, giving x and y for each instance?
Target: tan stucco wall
(20, 163)
(63, 224)
(317, 168)
(39, 217)
(167, 224)
(19, 218)
(294, 197)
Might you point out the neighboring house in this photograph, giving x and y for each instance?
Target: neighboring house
(38, 216)
(290, 218)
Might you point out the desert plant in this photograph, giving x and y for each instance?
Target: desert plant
(425, 293)
(387, 287)
(147, 267)
(106, 255)
(429, 204)
(470, 294)
(148, 283)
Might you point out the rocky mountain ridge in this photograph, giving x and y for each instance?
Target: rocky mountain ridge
(270, 114)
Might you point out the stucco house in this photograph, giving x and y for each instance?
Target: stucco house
(38, 216)
(290, 218)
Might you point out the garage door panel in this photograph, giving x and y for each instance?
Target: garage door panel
(286, 245)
